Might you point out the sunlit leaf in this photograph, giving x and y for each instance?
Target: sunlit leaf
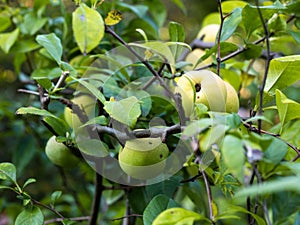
(52, 44)
(88, 27)
(283, 72)
(125, 111)
(8, 171)
(287, 108)
(178, 216)
(229, 6)
(233, 155)
(290, 183)
(8, 39)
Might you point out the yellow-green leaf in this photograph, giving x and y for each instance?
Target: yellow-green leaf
(113, 17)
(283, 72)
(287, 108)
(88, 27)
(8, 39)
(178, 216)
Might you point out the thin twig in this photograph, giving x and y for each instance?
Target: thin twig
(268, 59)
(58, 220)
(219, 37)
(61, 79)
(35, 202)
(123, 217)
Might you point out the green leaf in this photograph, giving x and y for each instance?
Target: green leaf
(156, 47)
(290, 183)
(57, 124)
(93, 147)
(55, 196)
(284, 204)
(287, 108)
(52, 44)
(251, 19)
(166, 187)
(125, 111)
(235, 208)
(29, 181)
(100, 120)
(8, 39)
(33, 111)
(5, 21)
(46, 73)
(178, 216)
(93, 89)
(139, 10)
(228, 7)
(23, 46)
(295, 35)
(197, 127)
(177, 34)
(233, 155)
(32, 216)
(283, 72)
(32, 23)
(88, 27)
(8, 171)
(158, 204)
(231, 23)
(275, 151)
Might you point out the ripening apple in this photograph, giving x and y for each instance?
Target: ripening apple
(206, 87)
(86, 103)
(143, 158)
(59, 154)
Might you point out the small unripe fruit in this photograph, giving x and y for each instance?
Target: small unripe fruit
(143, 158)
(59, 154)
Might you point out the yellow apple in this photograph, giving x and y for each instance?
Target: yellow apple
(209, 32)
(204, 87)
(143, 158)
(194, 56)
(59, 154)
(232, 100)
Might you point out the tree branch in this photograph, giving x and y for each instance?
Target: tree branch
(219, 37)
(268, 59)
(58, 220)
(98, 193)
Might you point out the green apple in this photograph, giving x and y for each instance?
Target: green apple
(59, 154)
(143, 158)
(86, 103)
